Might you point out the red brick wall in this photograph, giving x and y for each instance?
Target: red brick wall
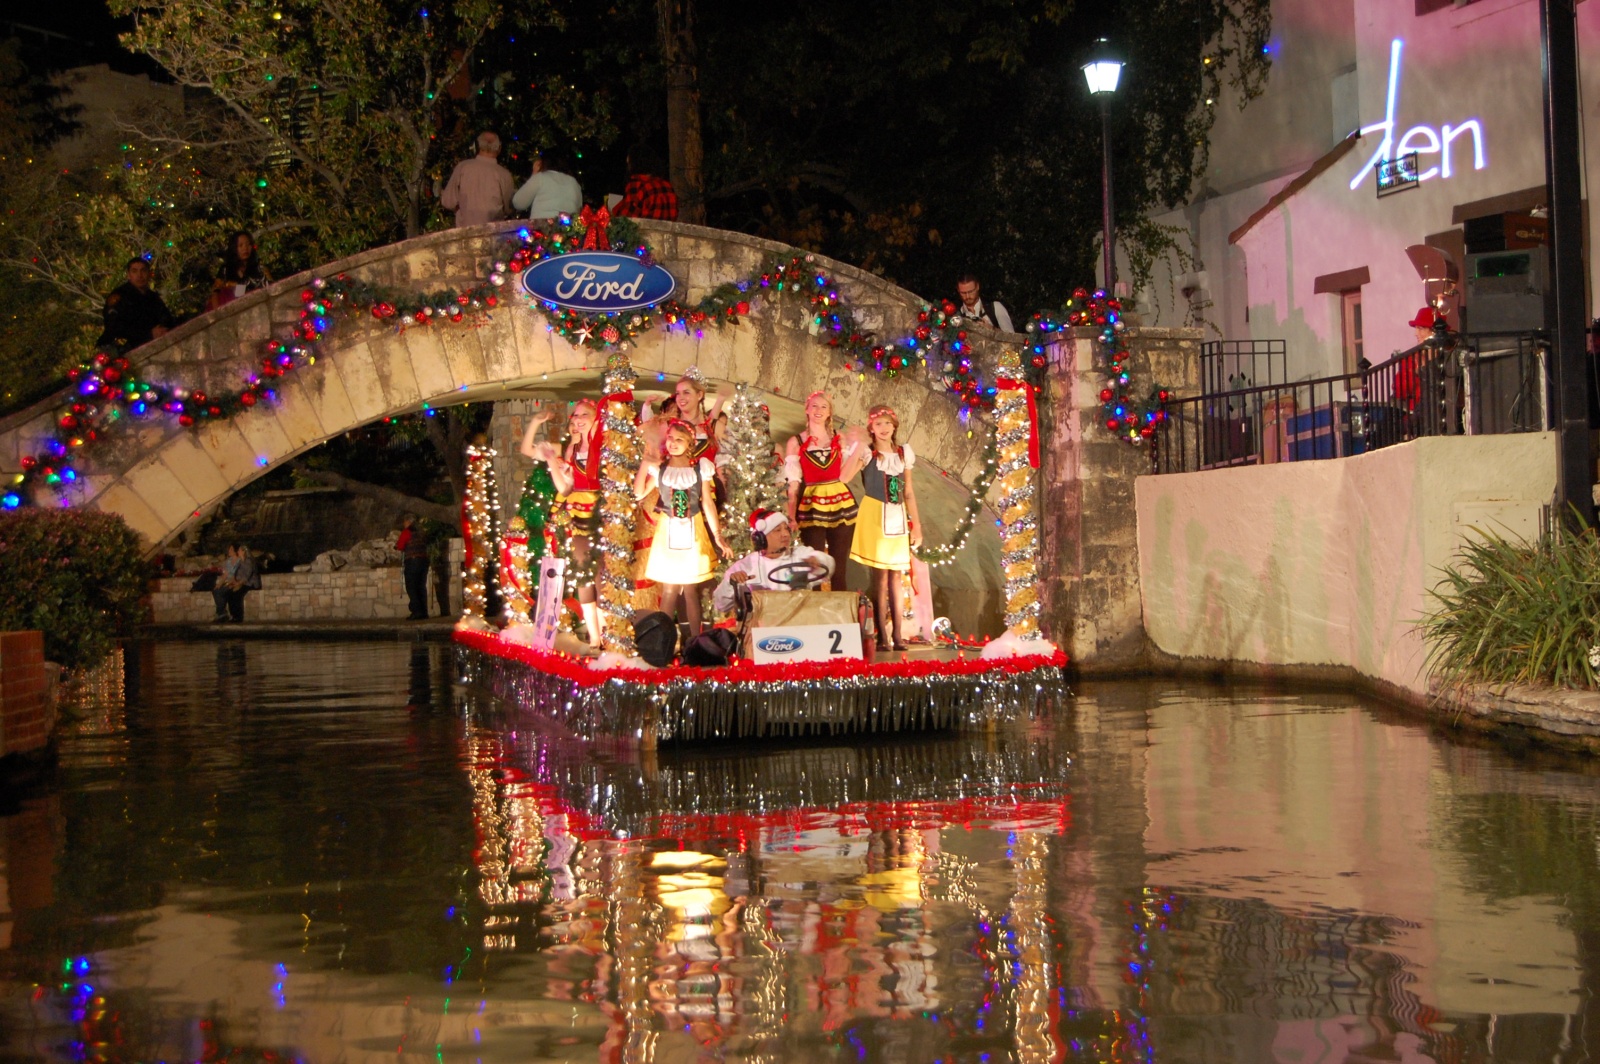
(25, 709)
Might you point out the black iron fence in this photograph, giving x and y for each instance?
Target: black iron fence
(1478, 385)
(1228, 365)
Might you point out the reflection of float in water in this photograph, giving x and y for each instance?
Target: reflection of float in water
(769, 921)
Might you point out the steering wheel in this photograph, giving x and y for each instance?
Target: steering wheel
(782, 574)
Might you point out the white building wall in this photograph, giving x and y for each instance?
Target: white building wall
(1478, 62)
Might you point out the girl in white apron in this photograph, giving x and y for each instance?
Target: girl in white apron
(683, 553)
(887, 524)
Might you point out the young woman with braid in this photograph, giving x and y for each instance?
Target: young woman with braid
(888, 525)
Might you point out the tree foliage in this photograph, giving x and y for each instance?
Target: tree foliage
(354, 105)
(921, 138)
(76, 575)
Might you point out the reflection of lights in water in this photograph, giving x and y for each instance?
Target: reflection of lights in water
(719, 927)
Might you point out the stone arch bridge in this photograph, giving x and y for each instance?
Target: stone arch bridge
(163, 479)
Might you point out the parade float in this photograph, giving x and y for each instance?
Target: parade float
(803, 671)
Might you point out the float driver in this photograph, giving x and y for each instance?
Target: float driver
(778, 563)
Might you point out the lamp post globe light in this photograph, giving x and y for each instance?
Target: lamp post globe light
(1103, 71)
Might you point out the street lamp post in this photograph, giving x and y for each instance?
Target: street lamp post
(1103, 71)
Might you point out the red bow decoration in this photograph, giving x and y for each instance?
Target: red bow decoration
(1006, 384)
(595, 223)
(508, 568)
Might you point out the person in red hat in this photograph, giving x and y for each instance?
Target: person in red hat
(1407, 378)
(1423, 323)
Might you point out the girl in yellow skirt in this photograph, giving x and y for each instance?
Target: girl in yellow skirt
(887, 526)
(683, 552)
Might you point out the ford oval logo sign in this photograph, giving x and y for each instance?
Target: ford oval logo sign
(779, 644)
(597, 282)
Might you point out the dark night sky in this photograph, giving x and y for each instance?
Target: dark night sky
(76, 33)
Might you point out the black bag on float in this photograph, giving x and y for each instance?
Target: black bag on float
(656, 638)
(711, 648)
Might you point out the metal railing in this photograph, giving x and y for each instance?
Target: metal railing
(1227, 365)
(1479, 385)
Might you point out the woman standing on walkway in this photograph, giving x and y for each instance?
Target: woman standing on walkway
(887, 527)
(821, 505)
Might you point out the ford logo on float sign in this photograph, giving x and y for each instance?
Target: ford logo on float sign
(779, 644)
(597, 282)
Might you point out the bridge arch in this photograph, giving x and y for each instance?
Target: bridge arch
(162, 479)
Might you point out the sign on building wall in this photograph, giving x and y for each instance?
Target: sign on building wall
(1434, 148)
(1397, 175)
(598, 282)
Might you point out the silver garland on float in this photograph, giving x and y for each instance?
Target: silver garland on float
(702, 709)
(613, 539)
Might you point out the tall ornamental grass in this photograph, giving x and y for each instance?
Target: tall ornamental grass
(77, 576)
(1516, 612)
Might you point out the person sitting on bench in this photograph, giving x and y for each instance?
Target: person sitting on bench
(777, 564)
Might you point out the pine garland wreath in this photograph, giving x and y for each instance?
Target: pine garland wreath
(613, 540)
(949, 551)
(752, 473)
(108, 392)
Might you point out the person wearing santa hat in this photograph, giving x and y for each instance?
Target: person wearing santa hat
(803, 564)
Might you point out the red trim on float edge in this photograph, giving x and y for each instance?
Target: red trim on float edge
(578, 671)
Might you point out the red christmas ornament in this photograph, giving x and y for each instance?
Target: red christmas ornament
(185, 420)
(248, 398)
(742, 307)
(491, 300)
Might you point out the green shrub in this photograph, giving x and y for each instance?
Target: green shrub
(1515, 612)
(75, 575)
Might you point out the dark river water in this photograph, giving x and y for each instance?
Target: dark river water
(284, 851)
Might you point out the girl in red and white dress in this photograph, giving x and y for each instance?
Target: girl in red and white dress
(683, 553)
(888, 526)
(689, 404)
(818, 464)
(576, 473)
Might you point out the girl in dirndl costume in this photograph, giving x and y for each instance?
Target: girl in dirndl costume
(817, 466)
(887, 527)
(687, 540)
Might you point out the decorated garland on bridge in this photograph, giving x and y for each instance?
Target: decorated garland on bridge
(108, 389)
(1132, 420)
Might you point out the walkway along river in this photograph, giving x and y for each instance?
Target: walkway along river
(320, 852)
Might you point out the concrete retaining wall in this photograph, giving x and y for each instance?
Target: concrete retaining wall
(349, 594)
(1326, 563)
